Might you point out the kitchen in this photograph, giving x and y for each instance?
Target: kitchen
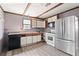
(39, 29)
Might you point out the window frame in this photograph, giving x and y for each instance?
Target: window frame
(26, 24)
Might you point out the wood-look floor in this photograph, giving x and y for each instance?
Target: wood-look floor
(39, 49)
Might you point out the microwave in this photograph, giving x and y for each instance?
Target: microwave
(51, 25)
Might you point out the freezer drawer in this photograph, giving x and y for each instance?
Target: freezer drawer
(66, 46)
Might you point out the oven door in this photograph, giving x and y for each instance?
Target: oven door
(50, 39)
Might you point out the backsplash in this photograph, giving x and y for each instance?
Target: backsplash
(29, 30)
(49, 30)
(35, 30)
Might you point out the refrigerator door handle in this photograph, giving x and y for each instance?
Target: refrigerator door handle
(63, 27)
(65, 39)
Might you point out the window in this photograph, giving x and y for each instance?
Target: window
(26, 24)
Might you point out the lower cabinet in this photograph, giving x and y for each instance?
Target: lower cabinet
(39, 38)
(23, 41)
(35, 39)
(16, 41)
(26, 40)
(30, 39)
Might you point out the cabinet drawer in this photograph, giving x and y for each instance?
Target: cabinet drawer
(66, 46)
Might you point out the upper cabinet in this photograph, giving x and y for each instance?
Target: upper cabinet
(34, 22)
(38, 23)
(52, 19)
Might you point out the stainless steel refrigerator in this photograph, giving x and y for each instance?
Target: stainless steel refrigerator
(67, 30)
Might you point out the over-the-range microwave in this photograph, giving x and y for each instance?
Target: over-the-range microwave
(51, 25)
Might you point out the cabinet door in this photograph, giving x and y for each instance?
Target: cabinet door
(39, 38)
(51, 19)
(29, 39)
(35, 39)
(34, 23)
(23, 41)
(38, 23)
(41, 24)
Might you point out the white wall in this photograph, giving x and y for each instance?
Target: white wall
(13, 22)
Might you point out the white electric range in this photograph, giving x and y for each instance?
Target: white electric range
(50, 38)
